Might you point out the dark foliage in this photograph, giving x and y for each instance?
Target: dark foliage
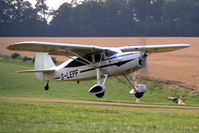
(101, 18)
(26, 59)
(15, 55)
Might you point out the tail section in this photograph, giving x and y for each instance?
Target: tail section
(45, 63)
(44, 67)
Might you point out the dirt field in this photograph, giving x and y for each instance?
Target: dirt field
(179, 67)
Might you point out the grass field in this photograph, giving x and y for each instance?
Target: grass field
(37, 117)
(57, 116)
(26, 85)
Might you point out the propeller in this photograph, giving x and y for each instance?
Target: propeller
(144, 70)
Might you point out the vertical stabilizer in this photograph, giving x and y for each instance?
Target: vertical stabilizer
(43, 61)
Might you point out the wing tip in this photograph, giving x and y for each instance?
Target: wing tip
(188, 45)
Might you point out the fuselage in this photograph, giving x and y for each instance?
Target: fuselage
(76, 69)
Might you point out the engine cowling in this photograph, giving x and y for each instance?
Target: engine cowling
(140, 90)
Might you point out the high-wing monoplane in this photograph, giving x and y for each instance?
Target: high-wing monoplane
(91, 62)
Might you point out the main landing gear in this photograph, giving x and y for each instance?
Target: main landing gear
(137, 89)
(99, 89)
(46, 87)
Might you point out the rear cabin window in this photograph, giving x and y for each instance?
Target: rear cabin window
(79, 62)
(98, 57)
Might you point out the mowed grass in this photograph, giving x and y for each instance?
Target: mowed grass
(27, 118)
(38, 117)
(14, 84)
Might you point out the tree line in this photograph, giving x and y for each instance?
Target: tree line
(105, 18)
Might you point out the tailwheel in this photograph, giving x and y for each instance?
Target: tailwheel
(46, 87)
(100, 95)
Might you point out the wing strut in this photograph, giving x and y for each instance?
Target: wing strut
(77, 60)
(80, 57)
(137, 89)
(128, 79)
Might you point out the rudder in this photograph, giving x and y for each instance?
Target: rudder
(43, 61)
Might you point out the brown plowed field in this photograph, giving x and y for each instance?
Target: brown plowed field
(179, 67)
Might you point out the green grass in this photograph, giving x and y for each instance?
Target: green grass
(18, 117)
(27, 117)
(14, 84)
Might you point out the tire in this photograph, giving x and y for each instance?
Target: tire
(100, 95)
(139, 94)
(46, 87)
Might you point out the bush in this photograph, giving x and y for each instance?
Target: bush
(33, 60)
(26, 58)
(15, 55)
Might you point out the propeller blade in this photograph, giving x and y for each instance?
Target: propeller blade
(144, 70)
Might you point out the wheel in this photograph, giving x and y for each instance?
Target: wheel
(100, 95)
(46, 87)
(139, 94)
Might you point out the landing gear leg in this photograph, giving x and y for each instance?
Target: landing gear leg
(100, 95)
(133, 91)
(137, 89)
(46, 87)
(100, 88)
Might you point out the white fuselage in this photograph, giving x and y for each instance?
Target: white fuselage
(117, 64)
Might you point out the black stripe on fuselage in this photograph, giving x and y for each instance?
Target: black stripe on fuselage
(117, 64)
(86, 63)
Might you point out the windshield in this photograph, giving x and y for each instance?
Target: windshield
(109, 52)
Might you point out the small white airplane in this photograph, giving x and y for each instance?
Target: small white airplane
(89, 62)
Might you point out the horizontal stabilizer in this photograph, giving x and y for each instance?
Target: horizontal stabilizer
(34, 71)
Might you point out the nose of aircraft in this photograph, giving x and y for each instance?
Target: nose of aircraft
(144, 55)
(142, 59)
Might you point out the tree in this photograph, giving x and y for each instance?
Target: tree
(101, 18)
(42, 9)
(64, 21)
(19, 18)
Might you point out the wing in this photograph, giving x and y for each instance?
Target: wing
(56, 48)
(154, 48)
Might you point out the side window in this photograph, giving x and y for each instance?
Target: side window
(89, 58)
(98, 57)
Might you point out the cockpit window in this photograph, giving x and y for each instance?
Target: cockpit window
(109, 52)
